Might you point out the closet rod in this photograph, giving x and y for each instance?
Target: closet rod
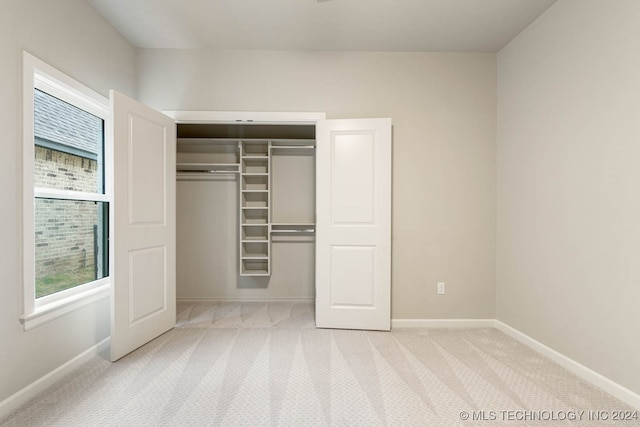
(206, 171)
(292, 141)
(293, 231)
(275, 147)
(222, 140)
(209, 177)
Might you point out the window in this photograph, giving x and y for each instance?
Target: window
(66, 191)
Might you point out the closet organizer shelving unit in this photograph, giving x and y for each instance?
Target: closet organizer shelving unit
(246, 151)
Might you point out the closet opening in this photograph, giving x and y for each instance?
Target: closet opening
(245, 211)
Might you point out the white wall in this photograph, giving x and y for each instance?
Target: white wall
(71, 36)
(444, 114)
(568, 242)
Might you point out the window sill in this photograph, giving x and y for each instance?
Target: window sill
(47, 313)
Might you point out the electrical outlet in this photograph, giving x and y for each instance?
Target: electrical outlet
(441, 289)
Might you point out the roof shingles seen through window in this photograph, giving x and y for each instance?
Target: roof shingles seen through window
(62, 123)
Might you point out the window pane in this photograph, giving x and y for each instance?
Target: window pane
(68, 146)
(71, 243)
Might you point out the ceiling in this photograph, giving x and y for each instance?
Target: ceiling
(342, 25)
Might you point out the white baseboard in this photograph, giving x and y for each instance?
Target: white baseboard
(587, 374)
(18, 399)
(442, 323)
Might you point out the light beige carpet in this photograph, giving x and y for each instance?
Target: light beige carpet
(252, 364)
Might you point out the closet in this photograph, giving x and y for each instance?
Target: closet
(210, 206)
(245, 211)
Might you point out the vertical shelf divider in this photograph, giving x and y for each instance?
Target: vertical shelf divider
(255, 210)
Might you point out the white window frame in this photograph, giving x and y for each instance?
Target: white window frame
(39, 75)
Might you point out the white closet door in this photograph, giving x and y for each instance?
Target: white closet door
(143, 303)
(353, 224)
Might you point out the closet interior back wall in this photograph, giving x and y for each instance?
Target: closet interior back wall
(208, 220)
